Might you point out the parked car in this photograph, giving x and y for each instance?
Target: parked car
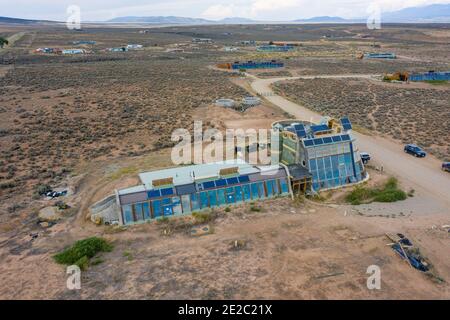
(415, 150)
(446, 166)
(365, 157)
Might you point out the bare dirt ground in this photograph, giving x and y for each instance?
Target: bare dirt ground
(92, 122)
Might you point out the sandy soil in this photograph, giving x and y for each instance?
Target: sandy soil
(289, 251)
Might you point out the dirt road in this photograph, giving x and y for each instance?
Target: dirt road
(424, 175)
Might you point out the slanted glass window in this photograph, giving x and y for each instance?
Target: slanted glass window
(146, 210)
(157, 209)
(221, 197)
(185, 200)
(167, 192)
(168, 210)
(247, 192)
(312, 164)
(203, 200)
(176, 205)
(138, 212)
(212, 198)
(276, 188)
(262, 192)
(284, 186)
(269, 186)
(230, 195)
(195, 202)
(255, 192)
(127, 214)
(238, 193)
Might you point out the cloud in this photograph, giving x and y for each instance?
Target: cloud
(218, 11)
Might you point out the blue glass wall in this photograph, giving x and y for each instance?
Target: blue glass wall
(233, 192)
(333, 165)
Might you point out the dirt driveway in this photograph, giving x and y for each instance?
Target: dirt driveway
(423, 175)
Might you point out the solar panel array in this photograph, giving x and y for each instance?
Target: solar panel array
(225, 182)
(300, 130)
(326, 140)
(320, 128)
(346, 124)
(160, 193)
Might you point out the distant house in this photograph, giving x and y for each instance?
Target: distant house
(119, 49)
(202, 40)
(73, 51)
(230, 49)
(226, 103)
(83, 42)
(385, 55)
(134, 46)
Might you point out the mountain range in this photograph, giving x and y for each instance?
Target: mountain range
(437, 13)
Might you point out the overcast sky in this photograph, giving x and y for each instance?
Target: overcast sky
(272, 10)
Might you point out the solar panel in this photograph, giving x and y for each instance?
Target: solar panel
(346, 124)
(327, 140)
(336, 138)
(300, 133)
(209, 185)
(308, 143)
(318, 141)
(167, 192)
(320, 128)
(243, 179)
(153, 194)
(221, 183)
(345, 137)
(299, 126)
(232, 181)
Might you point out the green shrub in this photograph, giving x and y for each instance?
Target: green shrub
(81, 251)
(202, 217)
(388, 193)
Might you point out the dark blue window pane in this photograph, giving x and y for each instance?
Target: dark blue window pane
(238, 193)
(203, 200)
(209, 185)
(312, 164)
(153, 194)
(195, 202)
(337, 138)
(308, 143)
(166, 201)
(284, 186)
(255, 192)
(320, 165)
(243, 179)
(247, 192)
(345, 137)
(167, 192)
(318, 141)
(146, 209)
(212, 198)
(327, 140)
(221, 197)
(157, 210)
(262, 193)
(221, 183)
(327, 161)
(230, 195)
(232, 181)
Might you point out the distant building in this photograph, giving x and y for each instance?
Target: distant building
(251, 101)
(247, 42)
(73, 51)
(430, 76)
(257, 65)
(134, 46)
(119, 49)
(275, 48)
(385, 55)
(84, 42)
(183, 190)
(230, 49)
(202, 40)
